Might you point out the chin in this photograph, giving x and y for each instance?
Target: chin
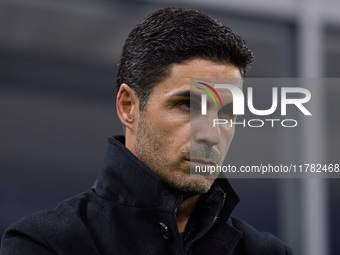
(192, 185)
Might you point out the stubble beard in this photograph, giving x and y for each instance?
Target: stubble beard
(152, 150)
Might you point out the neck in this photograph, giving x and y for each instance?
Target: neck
(184, 211)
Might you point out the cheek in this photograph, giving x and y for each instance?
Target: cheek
(170, 125)
(228, 135)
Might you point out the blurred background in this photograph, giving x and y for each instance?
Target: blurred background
(58, 62)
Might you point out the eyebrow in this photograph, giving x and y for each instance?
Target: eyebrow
(188, 93)
(193, 95)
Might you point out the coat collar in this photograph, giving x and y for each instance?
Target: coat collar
(126, 180)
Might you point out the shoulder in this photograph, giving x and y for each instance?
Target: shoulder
(68, 213)
(41, 230)
(255, 242)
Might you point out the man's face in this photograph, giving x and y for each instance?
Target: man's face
(165, 140)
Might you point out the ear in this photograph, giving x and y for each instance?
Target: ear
(127, 105)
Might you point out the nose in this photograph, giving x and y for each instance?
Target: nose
(203, 131)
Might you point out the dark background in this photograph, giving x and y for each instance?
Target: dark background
(58, 62)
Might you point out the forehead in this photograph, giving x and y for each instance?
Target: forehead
(183, 75)
(215, 86)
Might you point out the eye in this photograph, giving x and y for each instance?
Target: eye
(226, 113)
(185, 105)
(189, 105)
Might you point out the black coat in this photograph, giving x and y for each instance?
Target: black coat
(131, 211)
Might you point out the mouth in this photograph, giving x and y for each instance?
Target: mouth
(200, 162)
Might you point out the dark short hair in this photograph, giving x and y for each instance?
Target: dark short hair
(174, 36)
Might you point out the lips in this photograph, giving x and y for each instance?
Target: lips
(202, 155)
(202, 162)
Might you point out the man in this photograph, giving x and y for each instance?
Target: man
(145, 201)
